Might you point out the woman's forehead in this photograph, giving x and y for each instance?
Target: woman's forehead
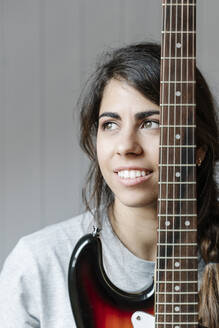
(119, 96)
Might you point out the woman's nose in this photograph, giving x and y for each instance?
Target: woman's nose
(128, 144)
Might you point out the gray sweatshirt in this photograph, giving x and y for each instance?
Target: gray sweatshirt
(33, 282)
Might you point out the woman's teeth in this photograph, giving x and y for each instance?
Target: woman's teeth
(132, 174)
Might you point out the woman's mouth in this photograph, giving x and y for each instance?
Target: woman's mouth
(133, 176)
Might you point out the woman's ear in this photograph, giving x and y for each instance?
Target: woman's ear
(200, 155)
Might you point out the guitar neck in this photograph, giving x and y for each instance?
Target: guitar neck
(176, 272)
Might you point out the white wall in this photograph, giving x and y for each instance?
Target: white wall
(48, 48)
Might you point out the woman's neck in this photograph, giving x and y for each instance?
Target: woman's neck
(136, 228)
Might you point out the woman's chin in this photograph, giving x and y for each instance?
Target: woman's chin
(135, 202)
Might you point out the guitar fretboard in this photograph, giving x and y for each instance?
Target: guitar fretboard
(176, 273)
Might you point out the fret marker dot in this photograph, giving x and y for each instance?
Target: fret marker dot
(177, 326)
(178, 136)
(178, 45)
(177, 308)
(187, 223)
(177, 264)
(178, 93)
(167, 223)
(177, 288)
(177, 174)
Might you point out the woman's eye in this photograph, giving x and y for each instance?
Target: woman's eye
(109, 126)
(150, 125)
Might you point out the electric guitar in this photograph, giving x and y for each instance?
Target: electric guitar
(172, 300)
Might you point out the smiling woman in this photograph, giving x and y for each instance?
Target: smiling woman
(128, 153)
(125, 87)
(128, 145)
(122, 105)
(120, 132)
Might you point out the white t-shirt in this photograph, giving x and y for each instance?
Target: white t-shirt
(33, 282)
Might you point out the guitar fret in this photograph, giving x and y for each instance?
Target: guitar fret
(177, 32)
(178, 323)
(177, 230)
(178, 57)
(178, 4)
(178, 282)
(178, 244)
(181, 182)
(175, 313)
(177, 214)
(176, 293)
(178, 82)
(177, 105)
(173, 165)
(177, 126)
(178, 199)
(177, 257)
(176, 270)
(178, 303)
(180, 146)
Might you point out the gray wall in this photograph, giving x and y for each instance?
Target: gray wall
(48, 48)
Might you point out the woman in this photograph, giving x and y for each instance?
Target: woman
(120, 134)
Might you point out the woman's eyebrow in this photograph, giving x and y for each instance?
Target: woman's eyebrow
(142, 115)
(110, 114)
(138, 116)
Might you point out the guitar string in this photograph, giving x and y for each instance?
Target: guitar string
(177, 62)
(181, 35)
(176, 35)
(179, 157)
(181, 130)
(193, 130)
(186, 130)
(193, 151)
(164, 72)
(193, 140)
(187, 155)
(168, 142)
(192, 76)
(174, 157)
(157, 272)
(164, 64)
(194, 120)
(161, 161)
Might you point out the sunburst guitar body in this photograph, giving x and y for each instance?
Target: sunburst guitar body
(96, 302)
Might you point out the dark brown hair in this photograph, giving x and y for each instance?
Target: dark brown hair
(139, 65)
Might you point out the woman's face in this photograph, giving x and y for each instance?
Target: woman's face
(128, 144)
